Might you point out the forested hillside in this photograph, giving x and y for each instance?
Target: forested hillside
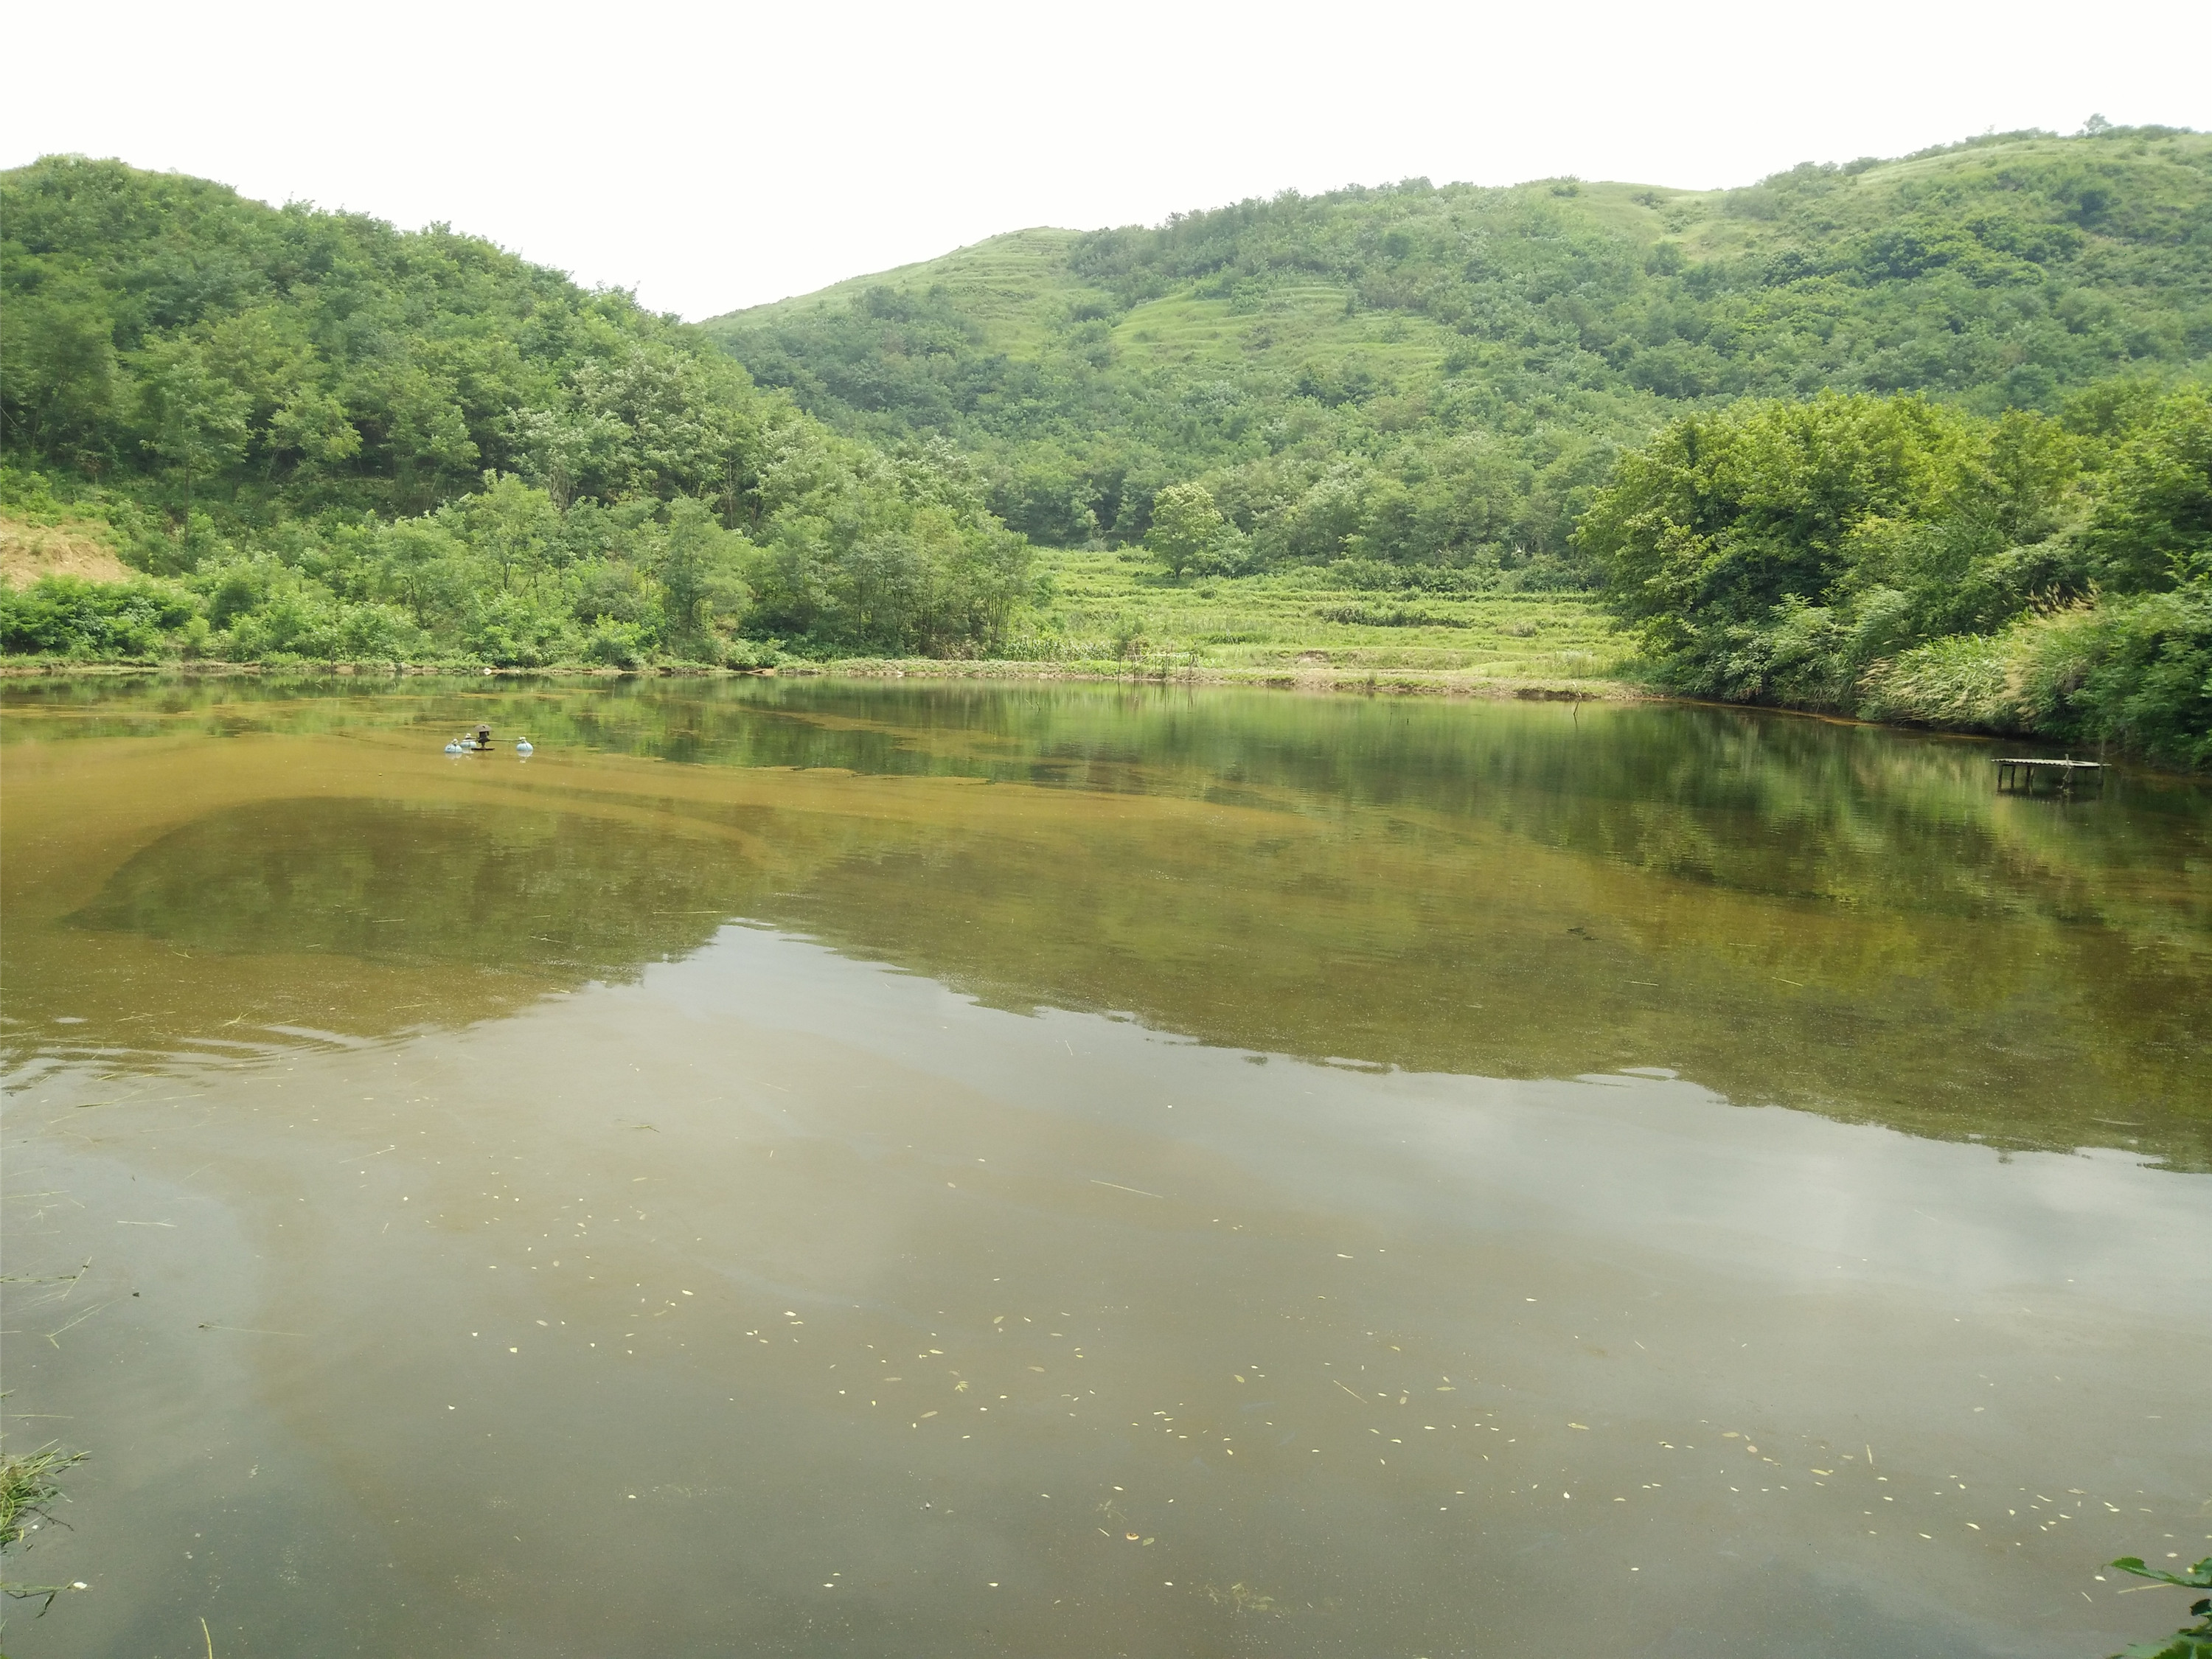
(1431, 383)
(1925, 439)
(340, 440)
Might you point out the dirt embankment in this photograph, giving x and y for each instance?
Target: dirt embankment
(72, 548)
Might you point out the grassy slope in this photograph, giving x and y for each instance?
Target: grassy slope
(1707, 226)
(1108, 610)
(67, 547)
(1014, 286)
(1018, 288)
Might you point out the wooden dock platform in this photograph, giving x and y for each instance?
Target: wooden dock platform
(2021, 776)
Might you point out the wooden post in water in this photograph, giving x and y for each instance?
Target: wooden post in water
(2017, 773)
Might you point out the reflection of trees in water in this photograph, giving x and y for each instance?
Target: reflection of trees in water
(1478, 956)
(1824, 915)
(1762, 803)
(493, 886)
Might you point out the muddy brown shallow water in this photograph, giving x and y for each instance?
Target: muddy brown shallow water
(818, 1168)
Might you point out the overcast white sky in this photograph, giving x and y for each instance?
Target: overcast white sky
(716, 156)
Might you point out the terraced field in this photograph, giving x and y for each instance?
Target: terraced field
(1109, 614)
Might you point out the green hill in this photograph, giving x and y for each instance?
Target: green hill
(1922, 440)
(345, 440)
(1441, 377)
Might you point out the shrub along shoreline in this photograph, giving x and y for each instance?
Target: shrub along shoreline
(1165, 672)
(1308, 676)
(1901, 561)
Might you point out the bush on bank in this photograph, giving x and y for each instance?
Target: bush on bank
(1900, 560)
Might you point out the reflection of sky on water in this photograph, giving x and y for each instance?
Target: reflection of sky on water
(1768, 1195)
(636, 1238)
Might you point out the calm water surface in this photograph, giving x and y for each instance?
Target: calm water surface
(817, 1168)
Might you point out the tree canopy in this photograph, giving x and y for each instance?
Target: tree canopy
(348, 438)
(1895, 557)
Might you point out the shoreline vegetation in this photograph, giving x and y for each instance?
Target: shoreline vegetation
(1299, 677)
(1923, 441)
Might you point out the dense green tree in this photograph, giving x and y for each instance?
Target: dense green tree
(349, 440)
(2153, 525)
(700, 567)
(1186, 529)
(193, 420)
(1724, 519)
(515, 527)
(58, 374)
(1891, 558)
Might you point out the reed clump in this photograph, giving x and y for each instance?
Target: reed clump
(27, 1484)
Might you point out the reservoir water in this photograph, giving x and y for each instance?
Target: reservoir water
(815, 1167)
